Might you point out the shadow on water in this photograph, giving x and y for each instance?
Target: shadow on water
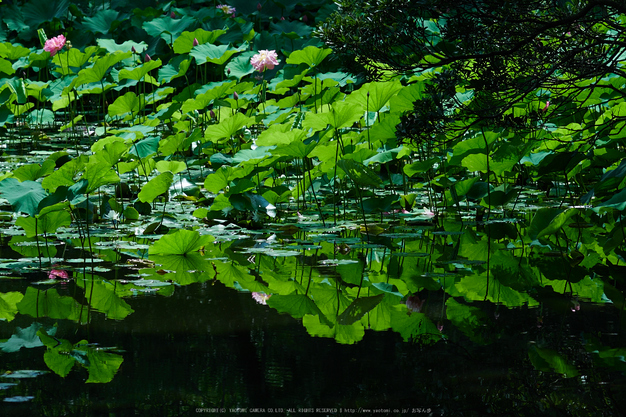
(207, 346)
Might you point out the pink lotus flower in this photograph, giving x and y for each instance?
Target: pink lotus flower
(264, 60)
(58, 274)
(54, 45)
(261, 297)
(226, 8)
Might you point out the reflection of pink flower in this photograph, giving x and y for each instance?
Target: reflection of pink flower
(261, 297)
(226, 8)
(54, 45)
(264, 60)
(58, 274)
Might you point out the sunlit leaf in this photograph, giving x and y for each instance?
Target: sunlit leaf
(8, 304)
(180, 242)
(155, 187)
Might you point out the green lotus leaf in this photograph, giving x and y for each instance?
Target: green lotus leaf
(26, 338)
(23, 196)
(98, 71)
(114, 48)
(145, 147)
(104, 21)
(184, 43)
(341, 115)
(296, 305)
(374, 96)
(58, 357)
(111, 153)
(47, 223)
(98, 174)
(291, 29)
(6, 67)
(71, 61)
(227, 127)
(181, 242)
(128, 103)
(155, 187)
(139, 72)
(8, 304)
(216, 54)
(40, 11)
(49, 303)
(167, 28)
(548, 360)
(33, 172)
(102, 365)
(176, 68)
(172, 166)
(18, 88)
(311, 55)
(13, 52)
(549, 220)
(359, 173)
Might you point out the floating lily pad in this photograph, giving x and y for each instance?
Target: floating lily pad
(18, 399)
(24, 373)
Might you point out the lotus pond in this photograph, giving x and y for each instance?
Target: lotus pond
(181, 232)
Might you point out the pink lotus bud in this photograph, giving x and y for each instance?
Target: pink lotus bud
(195, 42)
(236, 96)
(546, 106)
(282, 18)
(212, 114)
(228, 71)
(173, 15)
(305, 18)
(258, 6)
(133, 50)
(147, 58)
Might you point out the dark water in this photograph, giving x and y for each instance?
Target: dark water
(207, 348)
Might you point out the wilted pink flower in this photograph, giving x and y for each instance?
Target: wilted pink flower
(264, 60)
(58, 274)
(195, 42)
(226, 8)
(261, 297)
(54, 45)
(428, 213)
(414, 303)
